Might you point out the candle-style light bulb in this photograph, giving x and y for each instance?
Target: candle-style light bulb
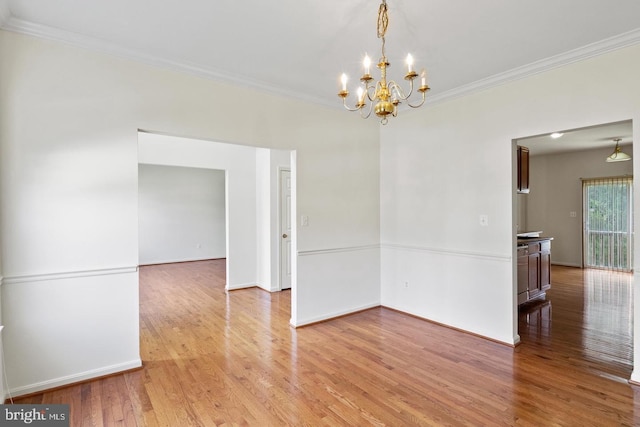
(423, 76)
(343, 79)
(410, 62)
(360, 95)
(367, 64)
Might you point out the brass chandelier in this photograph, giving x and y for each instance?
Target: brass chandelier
(384, 97)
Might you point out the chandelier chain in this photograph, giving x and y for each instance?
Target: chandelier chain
(383, 23)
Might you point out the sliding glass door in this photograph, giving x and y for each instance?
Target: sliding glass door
(608, 223)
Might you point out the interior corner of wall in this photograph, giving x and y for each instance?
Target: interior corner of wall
(635, 376)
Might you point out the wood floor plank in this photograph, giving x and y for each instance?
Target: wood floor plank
(216, 358)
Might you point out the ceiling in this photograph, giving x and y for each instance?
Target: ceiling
(594, 137)
(299, 48)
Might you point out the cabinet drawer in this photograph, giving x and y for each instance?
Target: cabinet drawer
(545, 246)
(523, 251)
(534, 247)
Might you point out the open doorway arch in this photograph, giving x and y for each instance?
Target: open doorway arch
(554, 204)
(250, 199)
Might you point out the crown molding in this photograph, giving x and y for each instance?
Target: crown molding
(589, 51)
(79, 40)
(10, 23)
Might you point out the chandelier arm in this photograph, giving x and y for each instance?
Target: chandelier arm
(400, 91)
(344, 102)
(424, 97)
(376, 92)
(371, 96)
(366, 116)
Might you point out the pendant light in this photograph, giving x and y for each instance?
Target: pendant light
(618, 155)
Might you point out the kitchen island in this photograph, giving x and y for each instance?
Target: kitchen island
(534, 267)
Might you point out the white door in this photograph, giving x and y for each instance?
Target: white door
(285, 229)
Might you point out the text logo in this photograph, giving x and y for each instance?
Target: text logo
(34, 415)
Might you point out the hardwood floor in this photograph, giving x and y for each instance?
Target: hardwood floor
(212, 358)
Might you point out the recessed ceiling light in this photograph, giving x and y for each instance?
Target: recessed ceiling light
(556, 135)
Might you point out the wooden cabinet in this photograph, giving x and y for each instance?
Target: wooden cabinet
(545, 265)
(523, 169)
(534, 270)
(523, 273)
(534, 287)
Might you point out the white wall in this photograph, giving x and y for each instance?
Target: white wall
(556, 190)
(68, 177)
(239, 163)
(2, 391)
(459, 272)
(263, 217)
(181, 214)
(3, 394)
(69, 189)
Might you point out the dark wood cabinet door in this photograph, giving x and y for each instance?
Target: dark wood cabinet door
(523, 169)
(523, 275)
(545, 266)
(534, 274)
(534, 270)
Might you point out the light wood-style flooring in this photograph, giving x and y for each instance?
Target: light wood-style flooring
(214, 358)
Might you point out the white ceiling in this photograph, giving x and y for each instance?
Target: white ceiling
(299, 47)
(594, 137)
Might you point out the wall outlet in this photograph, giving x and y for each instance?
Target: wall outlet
(484, 220)
(573, 214)
(304, 221)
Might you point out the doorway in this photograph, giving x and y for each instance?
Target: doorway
(558, 207)
(251, 200)
(558, 167)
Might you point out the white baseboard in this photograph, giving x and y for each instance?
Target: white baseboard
(511, 342)
(178, 260)
(635, 377)
(75, 378)
(241, 286)
(566, 264)
(333, 315)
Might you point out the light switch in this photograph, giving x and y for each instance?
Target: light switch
(573, 214)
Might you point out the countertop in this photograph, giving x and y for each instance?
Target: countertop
(527, 240)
